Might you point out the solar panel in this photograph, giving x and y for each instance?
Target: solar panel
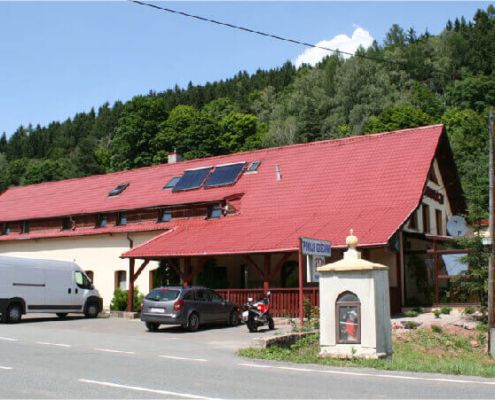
(172, 182)
(224, 175)
(192, 179)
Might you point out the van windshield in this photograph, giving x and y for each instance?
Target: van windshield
(82, 280)
(162, 295)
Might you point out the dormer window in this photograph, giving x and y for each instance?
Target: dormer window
(122, 218)
(118, 190)
(25, 227)
(5, 229)
(165, 215)
(66, 224)
(215, 211)
(102, 221)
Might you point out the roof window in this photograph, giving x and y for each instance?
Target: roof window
(172, 182)
(226, 174)
(118, 190)
(254, 166)
(67, 224)
(122, 218)
(215, 211)
(25, 227)
(192, 179)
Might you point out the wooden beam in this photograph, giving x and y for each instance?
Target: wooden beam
(141, 268)
(280, 265)
(130, 297)
(266, 272)
(251, 261)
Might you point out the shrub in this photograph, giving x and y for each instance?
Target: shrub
(410, 324)
(445, 310)
(436, 329)
(437, 313)
(119, 301)
(419, 310)
(411, 313)
(469, 310)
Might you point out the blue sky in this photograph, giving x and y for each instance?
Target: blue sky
(59, 58)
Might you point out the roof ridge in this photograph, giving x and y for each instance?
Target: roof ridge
(354, 138)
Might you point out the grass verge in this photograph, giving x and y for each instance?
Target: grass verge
(421, 350)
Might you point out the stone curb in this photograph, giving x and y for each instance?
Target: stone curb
(124, 314)
(285, 340)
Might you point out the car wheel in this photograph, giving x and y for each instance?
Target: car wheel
(193, 322)
(14, 313)
(91, 310)
(234, 318)
(152, 326)
(61, 315)
(271, 323)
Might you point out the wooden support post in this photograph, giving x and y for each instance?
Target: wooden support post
(187, 272)
(130, 297)
(141, 268)
(266, 273)
(279, 266)
(301, 300)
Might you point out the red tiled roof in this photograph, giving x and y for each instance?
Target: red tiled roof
(369, 183)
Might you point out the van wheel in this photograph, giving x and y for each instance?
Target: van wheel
(152, 326)
(14, 313)
(193, 322)
(92, 310)
(61, 315)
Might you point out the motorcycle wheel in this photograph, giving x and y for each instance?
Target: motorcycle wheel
(251, 324)
(271, 323)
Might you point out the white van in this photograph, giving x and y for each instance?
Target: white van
(45, 286)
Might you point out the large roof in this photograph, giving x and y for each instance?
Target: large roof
(369, 183)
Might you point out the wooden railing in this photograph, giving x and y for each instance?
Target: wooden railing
(285, 302)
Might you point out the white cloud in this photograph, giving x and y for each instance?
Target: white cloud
(312, 56)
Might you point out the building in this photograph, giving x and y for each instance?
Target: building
(237, 219)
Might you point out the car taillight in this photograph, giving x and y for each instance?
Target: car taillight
(179, 305)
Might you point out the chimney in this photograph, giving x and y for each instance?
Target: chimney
(174, 157)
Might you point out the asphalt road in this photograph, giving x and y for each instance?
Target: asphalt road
(113, 358)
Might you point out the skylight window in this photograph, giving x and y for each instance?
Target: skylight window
(118, 190)
(6, 229)
(172, 182)
(192, 179)
(225, 175)
(254, 166)
(102, 221)
(122, 218)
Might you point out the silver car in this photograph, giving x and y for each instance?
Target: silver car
(189, 307)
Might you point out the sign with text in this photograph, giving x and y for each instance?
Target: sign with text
(315, 247)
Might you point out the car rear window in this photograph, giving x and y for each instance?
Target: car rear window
(162, 295)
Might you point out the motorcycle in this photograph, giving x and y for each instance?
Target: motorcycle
(258, 314)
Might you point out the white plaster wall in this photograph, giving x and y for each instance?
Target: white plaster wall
(371, 287)
(99, 253)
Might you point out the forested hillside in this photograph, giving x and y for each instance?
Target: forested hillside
(423, 79)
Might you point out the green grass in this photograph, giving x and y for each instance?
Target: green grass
(421, 350)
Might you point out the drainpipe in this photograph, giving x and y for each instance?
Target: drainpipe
(131, 242)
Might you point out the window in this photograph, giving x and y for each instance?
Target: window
(82, 280)
(254, 166)
(439, 221)
(172, 182)
(67, 224)
(215, 211)
(225, 175)
(200, 295)
(102, 221)
(163, 294)
(5, 229)
(192, 179)
(214, 297)
(426, 218)
(433, 176)
(118, 190)
(165, 215)
(413, 221)
(25, 227)
(90, 275)
(348, 318)
(122, 218)
(120, 280)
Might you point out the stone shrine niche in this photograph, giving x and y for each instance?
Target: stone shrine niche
(348, 318)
